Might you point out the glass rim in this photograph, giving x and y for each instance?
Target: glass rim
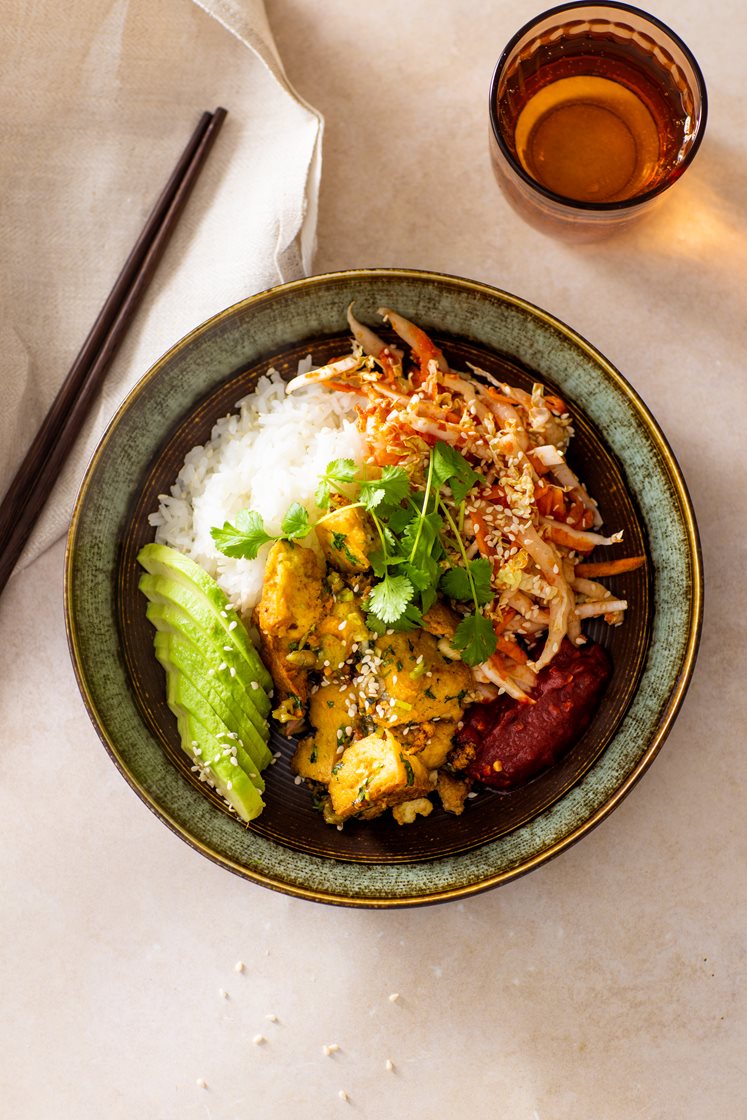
(564, 200)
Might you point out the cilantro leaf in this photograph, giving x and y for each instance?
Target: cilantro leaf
(388, 490)
(422, 577)
(337, 473)
(456, 582)
(243, 540)
(450, 466)
(410, 618)
(295, 525)
(420, 538)
(475, 638)
(400, 518)
(388, 600)
(378, 563)
(428, 597)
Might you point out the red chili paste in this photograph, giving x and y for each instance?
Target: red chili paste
(513, 741)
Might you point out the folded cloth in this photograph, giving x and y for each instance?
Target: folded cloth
(97, 100)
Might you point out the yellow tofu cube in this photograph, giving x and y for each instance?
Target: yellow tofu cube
(374, 772)
(329, 714)
(346, 539)
(422, 682)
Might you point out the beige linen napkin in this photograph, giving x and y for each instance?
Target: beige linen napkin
(97, 100)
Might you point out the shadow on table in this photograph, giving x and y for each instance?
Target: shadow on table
(698, 235)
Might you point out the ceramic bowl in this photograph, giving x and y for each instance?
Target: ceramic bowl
(618, 449)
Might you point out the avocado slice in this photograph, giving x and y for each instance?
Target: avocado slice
(160, 560)
(179, 657)
(219, 661)
(165, 591)
(217, 768)
(185, 701)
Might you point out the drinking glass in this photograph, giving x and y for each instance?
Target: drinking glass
(595, 111)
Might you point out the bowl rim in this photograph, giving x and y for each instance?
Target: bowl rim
(676, 697)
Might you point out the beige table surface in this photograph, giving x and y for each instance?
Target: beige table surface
(607, 985)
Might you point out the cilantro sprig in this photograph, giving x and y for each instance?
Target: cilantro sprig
(419, 536)
(417, 533)
(244, 539)
(387, 491)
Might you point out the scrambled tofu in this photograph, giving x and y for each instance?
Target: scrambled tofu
(329, 715)
(381, 710)
(418, 681)
(341, 631)
(375, 773)
(291, 607)
(346, 539)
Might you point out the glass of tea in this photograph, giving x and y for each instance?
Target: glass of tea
(595, 111)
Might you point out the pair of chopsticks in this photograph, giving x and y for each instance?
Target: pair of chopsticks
(33, 482)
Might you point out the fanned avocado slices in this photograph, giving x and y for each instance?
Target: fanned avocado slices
(223, 665)
(160, 560)
(216, 682)
(213, 762)
(176, 657)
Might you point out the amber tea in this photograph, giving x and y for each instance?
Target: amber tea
(595, 117)
(595, 109)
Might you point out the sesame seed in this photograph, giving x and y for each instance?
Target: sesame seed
(255, 684)
(201, 1083)
(232, 671)
(389, 1065)
(223, 993)
(222, 666)
(331, 1048)
(297, 780)
(343, 1095)
(227, 649)
(259, 1040)
(233, 625)
(394, 997)
(239, 966)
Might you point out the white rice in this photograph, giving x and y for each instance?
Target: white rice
(264, 456)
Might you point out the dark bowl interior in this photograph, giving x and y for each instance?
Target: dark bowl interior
(289, 818)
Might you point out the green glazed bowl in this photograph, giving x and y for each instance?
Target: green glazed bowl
(618, 449)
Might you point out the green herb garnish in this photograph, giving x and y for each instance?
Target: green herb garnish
(244, 539)
(408, 769)
(419, 533)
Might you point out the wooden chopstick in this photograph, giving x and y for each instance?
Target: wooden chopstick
(32, 483)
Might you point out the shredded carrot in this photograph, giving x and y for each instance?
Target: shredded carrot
(539, 467)
(558, 534)
(550, 500)
(500, 624)
(341, 387)
(579, 516)
(481, 534)
(555, 404)
(511, 649)
(610, 567)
